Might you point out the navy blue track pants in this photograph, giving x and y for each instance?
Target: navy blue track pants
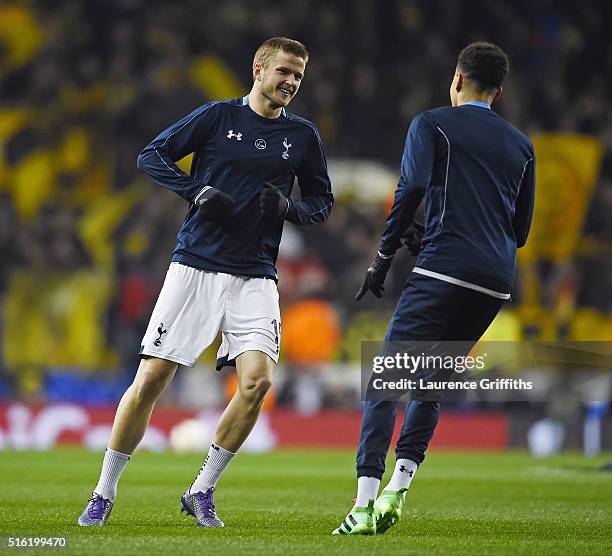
(428, 310)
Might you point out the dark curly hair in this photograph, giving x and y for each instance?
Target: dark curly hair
(484, 64)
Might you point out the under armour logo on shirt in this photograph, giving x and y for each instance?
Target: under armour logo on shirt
(231, 134)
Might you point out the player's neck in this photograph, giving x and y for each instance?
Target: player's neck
(474, 96)
(261, 105)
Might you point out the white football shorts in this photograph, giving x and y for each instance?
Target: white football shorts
(194, 305)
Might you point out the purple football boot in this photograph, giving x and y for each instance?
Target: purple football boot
(96, 513)
(201, 506)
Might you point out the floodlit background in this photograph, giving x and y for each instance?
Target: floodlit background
(85, 239)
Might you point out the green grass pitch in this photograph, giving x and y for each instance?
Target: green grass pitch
(288, 502)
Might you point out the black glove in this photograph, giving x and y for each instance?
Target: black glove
(413, 237)
(272, 202)
(214, 204)
(375, 277)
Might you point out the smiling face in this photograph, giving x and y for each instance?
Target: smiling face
(280, 79)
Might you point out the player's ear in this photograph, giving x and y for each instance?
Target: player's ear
(459, 84)
(257, 71)
(498, 94)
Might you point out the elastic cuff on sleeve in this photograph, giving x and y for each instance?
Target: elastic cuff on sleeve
(385, 257)
(202, 191)
(288, 207)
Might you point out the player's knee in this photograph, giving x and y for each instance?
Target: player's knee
(148, 387)
(254, 388)
(151, 379)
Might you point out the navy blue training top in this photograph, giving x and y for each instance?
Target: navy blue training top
(477, 174)
(236, 150)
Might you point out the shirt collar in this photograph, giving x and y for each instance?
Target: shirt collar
(245, 102)
(478, 103)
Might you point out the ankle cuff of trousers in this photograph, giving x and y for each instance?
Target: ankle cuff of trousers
(417, 457)
(370, 472)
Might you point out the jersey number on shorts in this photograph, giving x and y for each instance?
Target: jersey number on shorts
(276, 326)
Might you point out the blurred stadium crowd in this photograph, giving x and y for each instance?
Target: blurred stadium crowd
(85, 239)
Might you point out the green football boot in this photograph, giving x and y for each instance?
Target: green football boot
(359, 521)
(388, 508)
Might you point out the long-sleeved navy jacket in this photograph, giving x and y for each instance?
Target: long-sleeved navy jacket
(236, 150)
(477, 174)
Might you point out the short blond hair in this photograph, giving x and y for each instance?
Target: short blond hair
(269, 48)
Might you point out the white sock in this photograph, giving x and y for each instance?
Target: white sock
(113, 465)
(215, 463)
(402, 474)
(367, 489)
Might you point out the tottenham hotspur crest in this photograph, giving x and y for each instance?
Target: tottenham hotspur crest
(161, 331)
(287, 146)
